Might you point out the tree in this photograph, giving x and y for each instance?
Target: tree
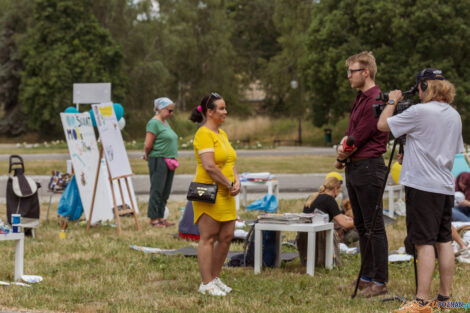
(199, 54)
(291, 20)
(15, 20)
(253, 36)
(65, 46)
(405, 37)
(142, 35)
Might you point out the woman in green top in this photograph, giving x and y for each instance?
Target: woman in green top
(161, 149)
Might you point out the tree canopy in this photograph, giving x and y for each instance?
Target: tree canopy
(185, 49)
(65, 46)
(405, 37)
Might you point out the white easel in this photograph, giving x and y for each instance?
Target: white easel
(117, 212)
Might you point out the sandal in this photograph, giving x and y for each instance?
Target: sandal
(157, 224)
(166, 223)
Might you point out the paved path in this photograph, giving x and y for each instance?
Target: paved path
(288, 183)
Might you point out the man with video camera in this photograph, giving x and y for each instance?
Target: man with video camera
(433, 137)
(361, 152)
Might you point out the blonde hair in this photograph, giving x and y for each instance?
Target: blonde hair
(366, 59)
(439, 90)
(330, 183)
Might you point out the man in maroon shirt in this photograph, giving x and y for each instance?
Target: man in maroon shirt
(365, 173)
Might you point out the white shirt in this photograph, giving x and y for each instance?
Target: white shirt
(433, 138)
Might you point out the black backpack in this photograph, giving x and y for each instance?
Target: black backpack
(247, 258)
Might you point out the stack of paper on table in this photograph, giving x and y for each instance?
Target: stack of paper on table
(289, 218)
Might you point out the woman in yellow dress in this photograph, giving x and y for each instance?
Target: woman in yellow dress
(215, 164)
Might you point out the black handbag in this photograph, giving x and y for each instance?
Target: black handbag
(202, 192)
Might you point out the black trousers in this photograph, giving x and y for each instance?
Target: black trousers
(364, 180)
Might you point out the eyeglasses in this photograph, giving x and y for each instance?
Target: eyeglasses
(350, 72)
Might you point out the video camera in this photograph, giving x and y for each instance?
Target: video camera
(421, 78)
(400, 107)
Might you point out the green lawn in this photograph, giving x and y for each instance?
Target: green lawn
(96, 271)
(273, 164)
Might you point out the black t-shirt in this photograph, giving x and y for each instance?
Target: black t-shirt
(326, 203)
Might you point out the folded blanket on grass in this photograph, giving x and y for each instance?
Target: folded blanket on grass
(191, 251)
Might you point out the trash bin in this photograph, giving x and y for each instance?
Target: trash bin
(327, 136)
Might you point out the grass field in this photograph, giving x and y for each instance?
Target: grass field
(273, 164)
(96, 271)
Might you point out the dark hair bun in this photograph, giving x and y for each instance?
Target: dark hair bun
(196, 116)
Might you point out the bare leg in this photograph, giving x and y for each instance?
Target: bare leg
(222, 246)
(208, 229)
(426, 265)
(446, 267)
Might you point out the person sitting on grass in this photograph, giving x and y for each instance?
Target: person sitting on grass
(461, 211)
(324, 200)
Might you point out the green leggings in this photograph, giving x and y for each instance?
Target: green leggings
(161, 179)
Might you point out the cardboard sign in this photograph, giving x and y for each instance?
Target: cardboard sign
(111, 139)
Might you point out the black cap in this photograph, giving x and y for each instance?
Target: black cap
(428, 74)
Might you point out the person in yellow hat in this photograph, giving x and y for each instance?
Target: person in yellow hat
(335, 174)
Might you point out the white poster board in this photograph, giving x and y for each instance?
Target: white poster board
(111, 139)
(91, 93)
(84, 154)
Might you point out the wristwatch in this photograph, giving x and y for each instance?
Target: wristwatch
(391, 102)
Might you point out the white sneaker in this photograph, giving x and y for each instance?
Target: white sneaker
(221, 285)
(211, 288)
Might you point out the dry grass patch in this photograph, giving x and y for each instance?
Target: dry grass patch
(253, 128)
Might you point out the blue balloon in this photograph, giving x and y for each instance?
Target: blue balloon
(119, 110)
(71, 110)
(92, 115)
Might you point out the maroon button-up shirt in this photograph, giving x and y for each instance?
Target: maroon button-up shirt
(370, 142)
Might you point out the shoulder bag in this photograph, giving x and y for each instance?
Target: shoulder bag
(202, 192)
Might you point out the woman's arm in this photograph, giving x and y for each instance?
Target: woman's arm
(464, 203)
(208, 163)
(456, 237)
(344, 221)
(148, 144)
(236, 184)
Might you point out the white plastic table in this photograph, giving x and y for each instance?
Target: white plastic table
(272, 186)
(391, 189)
(311, 229)
(19, 251)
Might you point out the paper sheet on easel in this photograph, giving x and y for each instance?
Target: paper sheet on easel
(111, 139)
(84, 155)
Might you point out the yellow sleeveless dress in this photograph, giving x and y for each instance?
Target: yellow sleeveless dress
(206, 140)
